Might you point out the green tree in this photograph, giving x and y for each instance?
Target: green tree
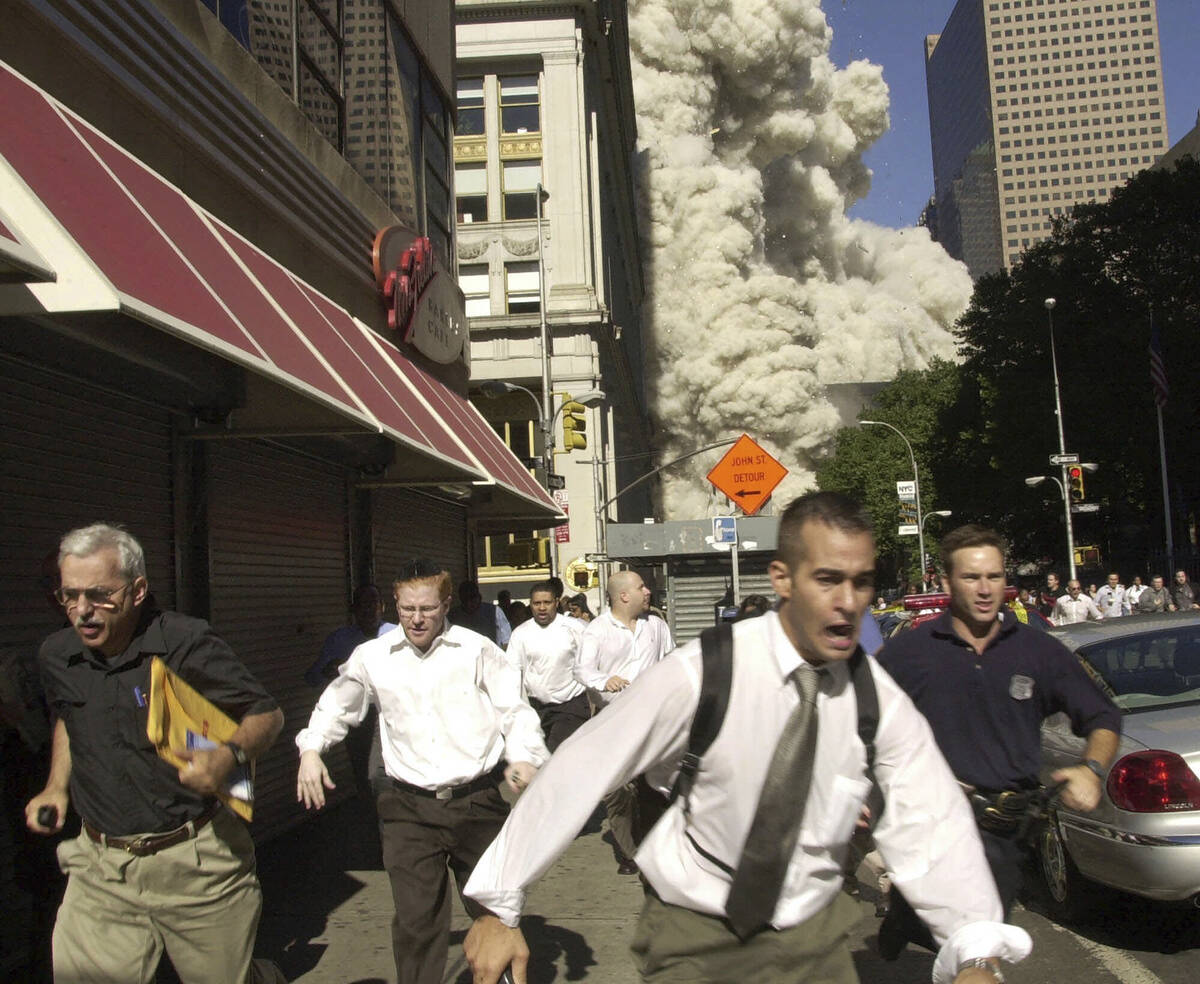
(980, 428)
(1111, 268)
(867, 462)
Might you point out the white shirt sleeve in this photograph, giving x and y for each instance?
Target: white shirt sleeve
(515, 656)
(647, 726)
(667, 643)
(1058, 614)
(587, 663)
(519, 723)
(342, 704)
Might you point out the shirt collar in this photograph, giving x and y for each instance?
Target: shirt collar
(148, 640)
(621, 625)
(787, 657)
(943, 627)
(447, 637)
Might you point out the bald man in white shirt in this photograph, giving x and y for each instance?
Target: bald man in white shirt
(543, 650)
(450, 715)
(618, 646)
(824, 572)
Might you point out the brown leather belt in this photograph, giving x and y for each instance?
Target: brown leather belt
(149, 844)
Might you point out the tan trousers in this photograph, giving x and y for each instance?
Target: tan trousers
(673, 945)
(621, 807)
(199, 900)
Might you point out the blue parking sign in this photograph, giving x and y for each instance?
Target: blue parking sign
(724, 529)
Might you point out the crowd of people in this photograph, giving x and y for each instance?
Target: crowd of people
(498, 728)
(1113, 599)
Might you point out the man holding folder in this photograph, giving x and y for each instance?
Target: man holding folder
(160, 863)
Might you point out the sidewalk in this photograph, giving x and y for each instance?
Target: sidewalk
(327, 909)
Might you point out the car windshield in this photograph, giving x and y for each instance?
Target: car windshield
(1150, 669)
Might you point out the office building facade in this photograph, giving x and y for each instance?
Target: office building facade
(1034, 107)
(545, 102)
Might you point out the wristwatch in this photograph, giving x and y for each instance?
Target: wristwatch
(1096, 767)
(991, 964)
(239, 754)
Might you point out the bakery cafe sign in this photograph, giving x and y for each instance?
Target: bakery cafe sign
(424, 304)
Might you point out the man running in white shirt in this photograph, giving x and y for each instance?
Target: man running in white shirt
(824, 572)
(618, 646)
(450, 714)
(544, 651)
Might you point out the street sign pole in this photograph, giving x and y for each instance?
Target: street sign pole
(733, 554)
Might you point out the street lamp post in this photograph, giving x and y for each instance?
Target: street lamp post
(936, 512)
(916, 484)
(1062, 488)
(1049, 303)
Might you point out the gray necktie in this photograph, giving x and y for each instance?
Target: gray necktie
(776, 825)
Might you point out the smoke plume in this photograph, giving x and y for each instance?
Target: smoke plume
(761, 290)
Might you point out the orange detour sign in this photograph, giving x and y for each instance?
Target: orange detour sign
(747, 475)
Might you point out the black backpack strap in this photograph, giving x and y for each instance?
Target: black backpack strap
(716, 651)
(867, 699)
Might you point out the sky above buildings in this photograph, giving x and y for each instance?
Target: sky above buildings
(891, 33)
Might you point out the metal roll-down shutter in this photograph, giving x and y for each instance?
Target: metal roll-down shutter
(279, 584)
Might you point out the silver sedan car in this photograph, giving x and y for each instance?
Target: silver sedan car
(1144, 838)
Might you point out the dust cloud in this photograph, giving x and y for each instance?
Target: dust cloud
(761, 290)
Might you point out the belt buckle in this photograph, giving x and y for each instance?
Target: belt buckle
(138, 844)
(444, 793)
(1007, 797)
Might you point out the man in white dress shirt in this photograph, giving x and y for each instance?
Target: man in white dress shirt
(618, 646)
(450, 715)
(824, 572)
(1075, 606)
(544, 650)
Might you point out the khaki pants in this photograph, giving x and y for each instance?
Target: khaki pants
(621, 807)
(199, 900)
(673, 945)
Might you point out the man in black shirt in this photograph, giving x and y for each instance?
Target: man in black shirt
(160, 863)
(985, 682)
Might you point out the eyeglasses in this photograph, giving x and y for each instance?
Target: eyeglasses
(96, 597)
(409, 612)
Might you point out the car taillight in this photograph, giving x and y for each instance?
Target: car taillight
(1153, 782)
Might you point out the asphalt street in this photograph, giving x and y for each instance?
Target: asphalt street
(327, 917)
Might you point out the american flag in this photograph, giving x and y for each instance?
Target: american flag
(1158, 369)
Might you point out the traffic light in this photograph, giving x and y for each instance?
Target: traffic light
(574, 425)
(1075, 483)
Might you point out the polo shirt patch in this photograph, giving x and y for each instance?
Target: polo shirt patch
(1020, 687)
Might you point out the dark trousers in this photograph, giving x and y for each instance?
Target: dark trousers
(1005, 856)
(560, 721)
(423, 840)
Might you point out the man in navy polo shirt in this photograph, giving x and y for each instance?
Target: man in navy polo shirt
(985, 682)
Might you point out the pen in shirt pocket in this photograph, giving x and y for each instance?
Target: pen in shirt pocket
(140, 696)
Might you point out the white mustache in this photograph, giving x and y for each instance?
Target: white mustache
(87, 623)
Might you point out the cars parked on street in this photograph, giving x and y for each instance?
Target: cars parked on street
(1144, 838)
